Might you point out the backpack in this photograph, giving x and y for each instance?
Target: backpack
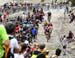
(8, 53)
(34, 56)
(41, 55)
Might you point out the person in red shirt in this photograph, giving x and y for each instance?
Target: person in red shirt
(17, 28)
(3, 17)
(7, 13)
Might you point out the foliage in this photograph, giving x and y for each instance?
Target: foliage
(73, 2)
(42, 0)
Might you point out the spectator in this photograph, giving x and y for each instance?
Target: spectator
(16, 53)
(70, 35)
(64, 41)
(10, 27)
(34, 33)
(34, 54)
(49, 16)
(41, 51)
(57, 53)
(72, 17)
(23, 51)
(4, 41)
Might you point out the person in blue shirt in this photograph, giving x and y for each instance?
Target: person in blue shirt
(34, 32)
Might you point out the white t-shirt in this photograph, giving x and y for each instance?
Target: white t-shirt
(16, 55)
(64, 41)
(26, 42)
(14, 44)
(21, 56)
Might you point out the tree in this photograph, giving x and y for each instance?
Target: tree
(42, 0)
(73, 2)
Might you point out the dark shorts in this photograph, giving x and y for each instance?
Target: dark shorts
(64, 47)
